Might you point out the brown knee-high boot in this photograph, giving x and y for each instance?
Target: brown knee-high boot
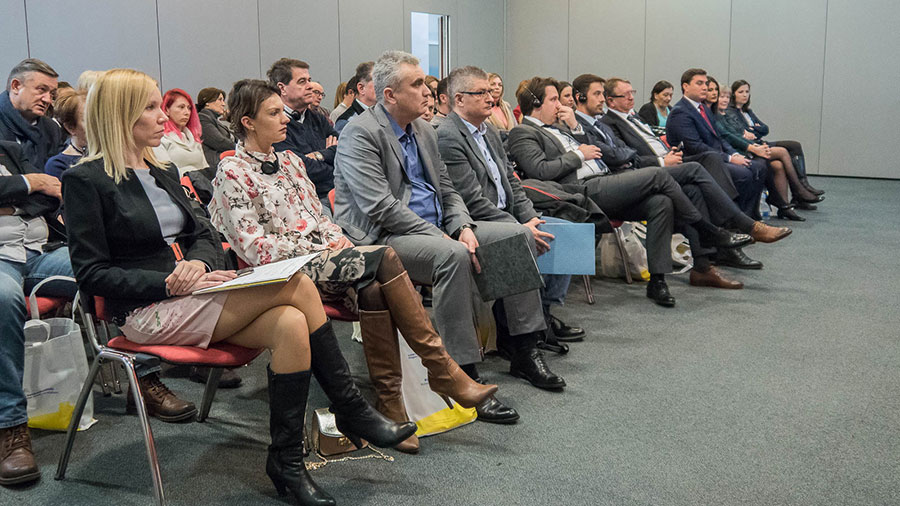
(382, 352)
(444, 375)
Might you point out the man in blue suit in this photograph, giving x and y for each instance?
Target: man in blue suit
(691, 122)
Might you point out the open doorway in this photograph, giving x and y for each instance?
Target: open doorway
(430, 38)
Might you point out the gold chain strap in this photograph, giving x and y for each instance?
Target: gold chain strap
(312, 466)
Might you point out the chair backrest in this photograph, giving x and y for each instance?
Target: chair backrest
(331, 199)
(229, 152)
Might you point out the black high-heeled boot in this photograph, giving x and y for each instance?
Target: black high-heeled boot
(285, 467)
(353, 415)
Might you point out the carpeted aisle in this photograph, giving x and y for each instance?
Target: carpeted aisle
(786, 392)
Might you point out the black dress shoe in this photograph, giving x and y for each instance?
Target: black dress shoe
(229, 378)
(725, 239)
(493, 411)
(530, 365)
(563, 332)
(659, 292)
(787, 213)
(737, 258)
(806, 206)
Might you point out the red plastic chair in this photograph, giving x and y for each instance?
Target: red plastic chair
(230, 152)
(119, 349)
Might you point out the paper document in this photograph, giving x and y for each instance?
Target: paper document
(275, 272)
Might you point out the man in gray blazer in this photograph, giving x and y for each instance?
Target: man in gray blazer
(477, 164)
(550, 144)
(392, 188)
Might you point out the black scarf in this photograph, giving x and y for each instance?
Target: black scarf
(39, 141)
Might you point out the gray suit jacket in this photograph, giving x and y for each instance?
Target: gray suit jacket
(371, 188)
(540, 155)
(470, 175)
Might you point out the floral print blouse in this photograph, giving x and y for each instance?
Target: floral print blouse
(267, 218)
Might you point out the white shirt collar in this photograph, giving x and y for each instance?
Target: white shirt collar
(695, 104)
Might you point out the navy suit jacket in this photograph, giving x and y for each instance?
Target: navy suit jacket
(685, 124)
(308, 137)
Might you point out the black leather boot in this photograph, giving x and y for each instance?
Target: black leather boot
(285, 467)
(354, 416)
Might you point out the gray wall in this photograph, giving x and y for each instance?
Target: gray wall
(197, 43)
(822, 72)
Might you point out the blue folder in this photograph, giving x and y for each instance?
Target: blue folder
(572, 250)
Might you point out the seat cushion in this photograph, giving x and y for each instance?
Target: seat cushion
(217, 355)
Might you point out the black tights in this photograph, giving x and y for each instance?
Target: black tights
(370, 298)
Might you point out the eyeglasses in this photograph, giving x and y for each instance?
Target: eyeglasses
(480, 93)
(319, 93)
(626, 94)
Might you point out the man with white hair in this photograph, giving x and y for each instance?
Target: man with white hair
(392, 188)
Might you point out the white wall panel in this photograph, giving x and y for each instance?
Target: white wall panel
(682, 35)
(537, 42)
(103, 34)
(368, 28)
(861, 103)
(207, 43)
(306, 30)
(15, 38)
(607, 38)
(784, 68)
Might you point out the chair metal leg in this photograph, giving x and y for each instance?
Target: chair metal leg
(588, 291)
(620, 243)
(76, 416)
(212, 384)
(148, 434)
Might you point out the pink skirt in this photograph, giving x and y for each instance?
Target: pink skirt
(182, 321)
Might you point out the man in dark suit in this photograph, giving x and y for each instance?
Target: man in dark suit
(309, 134)
(651, 150)
(392, 188)
(29, 201)
(478, 167)
(30, 92)
(690, 122)
(550, 144)
(707, 196)
(365, 95)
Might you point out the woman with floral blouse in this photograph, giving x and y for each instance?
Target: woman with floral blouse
(267, 209)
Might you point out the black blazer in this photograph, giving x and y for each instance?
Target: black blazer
(115, 243)
(623, 131)
(216, 138)
(647, 113)
(617, 156)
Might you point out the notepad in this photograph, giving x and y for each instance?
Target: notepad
(572, 250)
(275, 272)
(507, 268)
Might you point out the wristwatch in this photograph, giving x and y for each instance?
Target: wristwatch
(318, 156)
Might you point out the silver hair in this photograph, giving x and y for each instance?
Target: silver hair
(461, 78)
(29, 65)
(386, 72)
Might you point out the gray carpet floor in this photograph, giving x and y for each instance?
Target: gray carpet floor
(786, 392)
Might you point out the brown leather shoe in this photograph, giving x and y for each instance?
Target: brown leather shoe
(714, 278)
(444, 375)
(382, 351)
(161, 403)
(764, 233)
(17, 463)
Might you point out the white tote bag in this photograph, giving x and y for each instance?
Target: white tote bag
(56, 368)
(423, 406)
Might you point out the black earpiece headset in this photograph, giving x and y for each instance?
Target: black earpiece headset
(535, 102)
(268, 167)
(580, 97)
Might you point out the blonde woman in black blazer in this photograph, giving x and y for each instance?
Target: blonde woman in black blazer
(130, 220)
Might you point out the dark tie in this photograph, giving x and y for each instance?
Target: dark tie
(640, 124)
(603, 167)
(705, 117)
(599, 130)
